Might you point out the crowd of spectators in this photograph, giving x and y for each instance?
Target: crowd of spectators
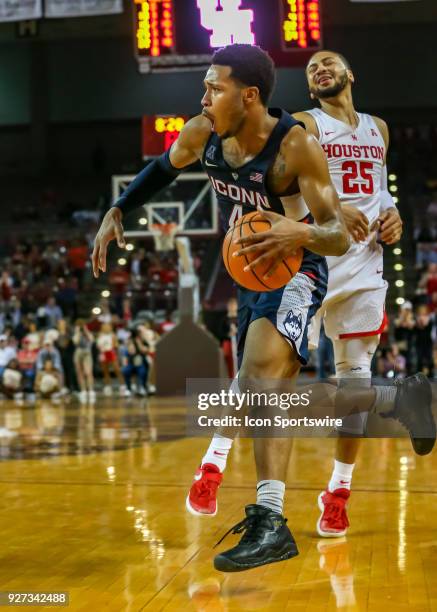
(47, 349)
(38, 358)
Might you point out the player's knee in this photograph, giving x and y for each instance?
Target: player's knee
(258, 367)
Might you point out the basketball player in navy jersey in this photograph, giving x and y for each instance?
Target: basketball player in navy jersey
(255, 157)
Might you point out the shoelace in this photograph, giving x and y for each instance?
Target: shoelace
(205, 489)
(250, 525)
(334, 510)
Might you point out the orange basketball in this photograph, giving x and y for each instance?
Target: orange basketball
(254, 279)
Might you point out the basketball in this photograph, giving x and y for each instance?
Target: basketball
(254, 279)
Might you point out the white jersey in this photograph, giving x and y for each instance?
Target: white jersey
(355, 160)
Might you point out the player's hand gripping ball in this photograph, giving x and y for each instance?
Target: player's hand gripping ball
(254, 279)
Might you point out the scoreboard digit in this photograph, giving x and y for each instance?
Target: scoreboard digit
(159, 132)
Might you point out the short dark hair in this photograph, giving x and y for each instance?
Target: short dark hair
(343, 59)
(251, 66)
(340, 55)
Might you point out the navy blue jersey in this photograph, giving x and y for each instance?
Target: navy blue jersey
(241, 190)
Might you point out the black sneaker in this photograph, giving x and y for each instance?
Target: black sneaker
(267, 539)
(412, 408)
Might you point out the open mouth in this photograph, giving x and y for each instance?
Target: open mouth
(208, 116)
(323, 80)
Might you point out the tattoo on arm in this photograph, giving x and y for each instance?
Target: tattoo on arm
(328, 239)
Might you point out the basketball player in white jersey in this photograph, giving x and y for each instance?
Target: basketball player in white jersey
(353, 310)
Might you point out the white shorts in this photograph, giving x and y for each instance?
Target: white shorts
(354, 303)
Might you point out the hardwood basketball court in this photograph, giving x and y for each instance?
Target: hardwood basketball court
(93, 503)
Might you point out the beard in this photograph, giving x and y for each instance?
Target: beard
(334, 90)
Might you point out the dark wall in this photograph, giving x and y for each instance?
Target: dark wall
(15, 84)
(101, 81)
(90, 80)
(63, 103)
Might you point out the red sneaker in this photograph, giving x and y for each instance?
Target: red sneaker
(202, 498)
(333, 521)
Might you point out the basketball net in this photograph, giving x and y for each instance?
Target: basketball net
(164, 235)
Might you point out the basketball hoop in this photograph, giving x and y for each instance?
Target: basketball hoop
(164, 235)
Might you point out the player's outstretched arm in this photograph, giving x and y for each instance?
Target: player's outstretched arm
(328, 236)
(160, 173)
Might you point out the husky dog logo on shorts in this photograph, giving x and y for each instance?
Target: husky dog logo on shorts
(293, 325)
(210, 153)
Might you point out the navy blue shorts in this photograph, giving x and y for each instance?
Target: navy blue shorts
(290, 308)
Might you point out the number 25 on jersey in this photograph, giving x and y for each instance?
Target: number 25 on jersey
(357, 177)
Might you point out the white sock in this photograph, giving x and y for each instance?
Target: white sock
(270, 494)
(341, 477)
(218, 451)
(384, 399)
(343, 587)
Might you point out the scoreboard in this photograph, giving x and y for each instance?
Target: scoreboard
(183, 34)
(159, 132)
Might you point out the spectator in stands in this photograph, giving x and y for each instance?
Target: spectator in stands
(10, 313)
(66, 297)
(107, 345)
(105, 315)
(118, 280)
(7, 352)
(50, 256)
(168, 274)
(77, 256)
(15, 313)
(48, 381)
(33, 258)
(396, 363)
(6, 286)
(134, 361)
(27, 356)
(83, 361)
(11, 380)
(168, 324)
(404, 325)
(19, 254)
(33, 337)
(52, 313)
(429, 279)
(65, 345)
(49, 352)
(138, 268)
(149, 337)
(126, 311)
(25, 297)
(423, 340)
